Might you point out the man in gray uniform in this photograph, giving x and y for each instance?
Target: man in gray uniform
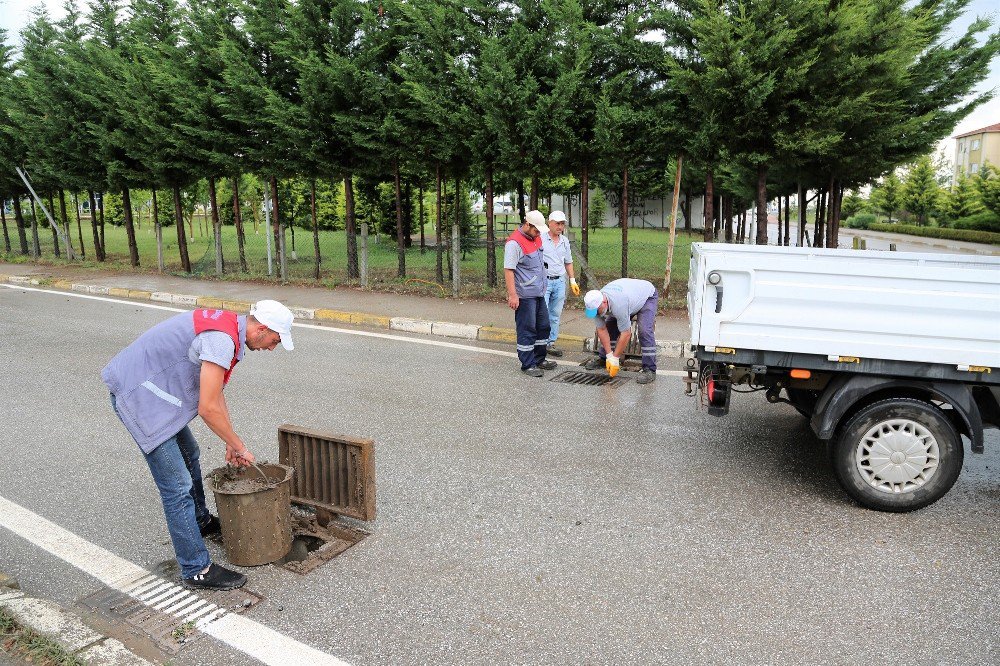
(612, 308)
(524, 275)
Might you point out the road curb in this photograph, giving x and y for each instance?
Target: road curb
(64, 627)
(665, 348)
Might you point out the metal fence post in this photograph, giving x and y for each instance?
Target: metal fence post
(267, 219)
(456, 279)
(364, 255)
(282, 257)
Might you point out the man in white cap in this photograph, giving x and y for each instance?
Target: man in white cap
(558, 265)
(159, 383)
(524, 275)
(612, 308)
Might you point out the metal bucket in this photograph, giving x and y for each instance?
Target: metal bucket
(256, 522)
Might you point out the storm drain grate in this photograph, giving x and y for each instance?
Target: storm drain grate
(333, 473)
(162, 612)
(587, 379)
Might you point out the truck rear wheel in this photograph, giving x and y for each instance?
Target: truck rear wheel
(897, 455)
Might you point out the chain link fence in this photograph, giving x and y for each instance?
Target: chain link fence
(260, 255)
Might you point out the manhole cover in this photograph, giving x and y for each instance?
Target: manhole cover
(162, 612)
(588, 379)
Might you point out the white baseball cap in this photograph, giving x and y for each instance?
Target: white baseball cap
(557, 216)
(591, 301)
(537, 220)
(276, 317)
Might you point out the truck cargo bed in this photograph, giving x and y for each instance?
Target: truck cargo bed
(847, 304)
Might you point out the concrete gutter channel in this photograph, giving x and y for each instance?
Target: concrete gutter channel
(65, 628)
(665, 348)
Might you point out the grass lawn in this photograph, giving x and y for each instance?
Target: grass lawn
(646, 257)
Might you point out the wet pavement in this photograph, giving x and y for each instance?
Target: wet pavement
(519, 520)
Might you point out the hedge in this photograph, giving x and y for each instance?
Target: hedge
(983, 221)
(938, 232)
(861, 221)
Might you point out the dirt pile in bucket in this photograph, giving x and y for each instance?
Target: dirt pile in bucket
(240, 480)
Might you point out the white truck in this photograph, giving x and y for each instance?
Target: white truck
(892, 356)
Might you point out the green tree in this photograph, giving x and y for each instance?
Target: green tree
(154, 89)
(921, 194)
(962, 200)
(988, 184)
(887, 197)
(853, 204)
(12, 148)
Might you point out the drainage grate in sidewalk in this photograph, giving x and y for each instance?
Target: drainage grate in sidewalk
(162, 613)
(588, 379)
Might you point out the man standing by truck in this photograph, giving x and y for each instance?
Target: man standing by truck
(613, 307)
(159, 383)
(524, 274)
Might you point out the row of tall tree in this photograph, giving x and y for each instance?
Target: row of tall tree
(763, 98)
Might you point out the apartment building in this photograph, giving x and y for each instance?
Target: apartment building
(973, 149)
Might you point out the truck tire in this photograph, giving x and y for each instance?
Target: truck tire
(897, 455)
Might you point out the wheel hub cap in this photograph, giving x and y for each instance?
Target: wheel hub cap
(897, 456)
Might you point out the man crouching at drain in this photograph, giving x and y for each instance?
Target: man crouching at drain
(159, 383)
(613, 308)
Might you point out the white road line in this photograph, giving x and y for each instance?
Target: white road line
(174, 598)
(142, 582)
(328, 329)
(243, 634)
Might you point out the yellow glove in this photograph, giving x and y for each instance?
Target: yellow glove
(613, 365)
(574, 287)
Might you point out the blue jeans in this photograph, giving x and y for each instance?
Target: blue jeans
(177, 474)
(555, 296)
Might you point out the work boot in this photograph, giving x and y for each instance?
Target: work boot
(551, 350)
(548, 365)
(533, 371)
(216, 578)
(646, 376)
(211, 527)
(596, 363)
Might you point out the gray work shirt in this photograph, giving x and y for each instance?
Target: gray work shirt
(214, 346)
(556, 255)
(626, 296)
(512, 254)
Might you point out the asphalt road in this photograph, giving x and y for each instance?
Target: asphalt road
(519, 521)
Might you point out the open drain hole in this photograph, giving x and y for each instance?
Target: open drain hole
(302, 546)
(314, 543)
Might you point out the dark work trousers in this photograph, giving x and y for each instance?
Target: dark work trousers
(646, 318)
(531, 319)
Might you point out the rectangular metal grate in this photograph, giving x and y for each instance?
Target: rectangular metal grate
(587, 379)
(332, 472)
(161, 613)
